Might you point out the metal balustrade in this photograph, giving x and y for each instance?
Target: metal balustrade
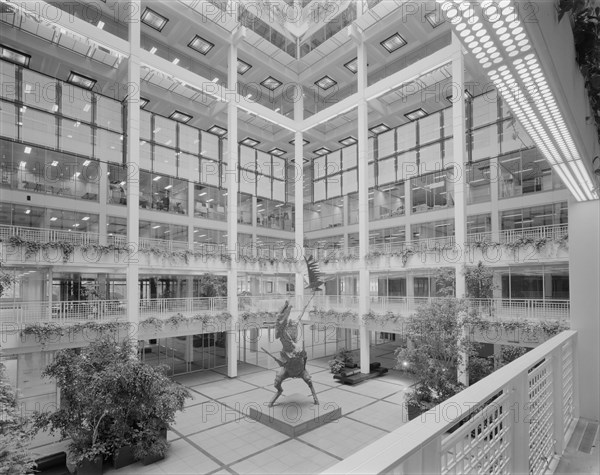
(21, 312)
(44, 235)
(556, 231)
(105, 310)
(513, 421)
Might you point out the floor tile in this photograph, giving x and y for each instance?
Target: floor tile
(382, 414)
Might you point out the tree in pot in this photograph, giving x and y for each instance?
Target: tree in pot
(436, 349)
(15, 457)
(107, 395)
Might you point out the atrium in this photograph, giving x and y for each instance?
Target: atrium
(169, 168)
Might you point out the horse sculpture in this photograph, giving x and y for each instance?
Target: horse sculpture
(293, 356)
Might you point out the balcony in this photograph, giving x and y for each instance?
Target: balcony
(518, 420)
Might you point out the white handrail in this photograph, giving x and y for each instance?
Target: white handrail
(492, 435)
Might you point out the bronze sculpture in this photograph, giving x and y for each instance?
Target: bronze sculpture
(293, 355)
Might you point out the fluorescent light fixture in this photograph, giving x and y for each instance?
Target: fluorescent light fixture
(416, 114)
(100, 24)
(180, 117)
(242, 67)
(156, 178)
(304, 142)
(348, 141)
(208, 201)
(155, 227)
(53, 218)
(27, 150)
(14, 56)
(216, 130)
(86, 163)
(352, 66)
(153, 50)
(176, 61)
(250, 142)
(54, 163)
(87, 107)
(393, 43)
(380, 128)
(85, 218)
(81, 80)
(27, 211)
(326, 82)
(153, 19)
(271, 83)
(435, 18)
(22, 164)
(277, 152)
(201, 45)
(202, 194)
(168, 187)
(321, 151)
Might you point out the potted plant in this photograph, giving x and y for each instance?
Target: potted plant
(15, 458)
(111, 403)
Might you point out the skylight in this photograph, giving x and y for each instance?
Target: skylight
(348, 141)
(180, 117)
(277, 152)
(416, 114)
(325, 82)
(242, 66)
(215, 129)
(250, 142)
(81, 80)
(271, 83)
(14, 56)
(379, 129)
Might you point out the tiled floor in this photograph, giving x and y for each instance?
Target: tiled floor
(214, 434)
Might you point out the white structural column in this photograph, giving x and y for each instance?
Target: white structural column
(460, 153)
(363, 201)
(232, 195)
(133, 170)
(299, 196)
(584, 283)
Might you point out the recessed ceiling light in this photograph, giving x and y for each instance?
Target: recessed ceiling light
(201, 45)
(143, 102)
(180, 117)
(326, 82)
(304, 142)
(242, 66)
(348, 141)
(277, 152)
(86, 163)
(27, 211)
(416, 114)
(352, 65)
(393, 43)
(380, 128)
(250, 142)
(27, 150)
(85, 218)
(81, 80)
(14, 56)
(271, 83)
(153, 19)
(321, 151)
(435, 18)
(215, 129)
(53, 218)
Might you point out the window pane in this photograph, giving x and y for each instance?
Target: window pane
(485, 143)
(430, 158)
(76, 103)
(210, 145)
(247, 158)
(429, 128)
(164, 131)
(145, 125)
(189, 139)
(350, 182)
(109, 114)
(188, 167)
(319, 167)
(387, 171)
(209, 172)
(485, 110)
(406, 136)
(109, 146)
(386, 143)
(39, 128)
(8, 119)
(279, 190)
(165, 160)
(145, 155)
(263, 186)
(8, 85)
(349, 157)
(319, 190)
(263, 162)
(39, 91)
(76, 137)
(334, 186)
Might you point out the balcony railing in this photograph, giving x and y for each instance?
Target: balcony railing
(517, 420)
(42, 235)
(20, 312)
(555, 231)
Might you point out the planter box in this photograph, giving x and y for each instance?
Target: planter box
(123, 457)
(90, 467)
(151, 459)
